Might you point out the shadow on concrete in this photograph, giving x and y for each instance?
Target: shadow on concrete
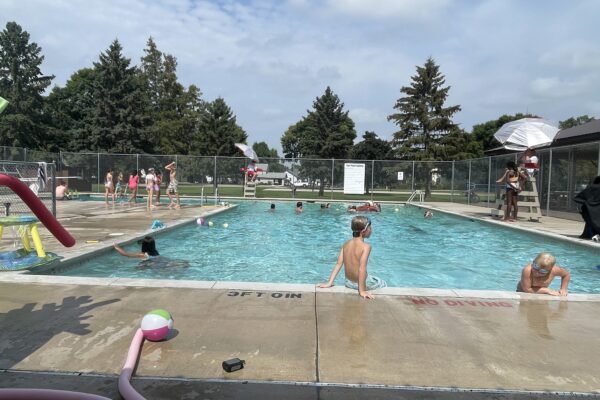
(26, 329)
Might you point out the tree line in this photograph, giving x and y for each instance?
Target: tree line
(117, 107)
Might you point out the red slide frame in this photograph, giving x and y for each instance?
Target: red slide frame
(39, 209)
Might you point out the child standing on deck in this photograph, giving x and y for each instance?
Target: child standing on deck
(150, 187)
(133, 185)
(354, 256)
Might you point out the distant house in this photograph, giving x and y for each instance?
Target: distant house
(276, 178)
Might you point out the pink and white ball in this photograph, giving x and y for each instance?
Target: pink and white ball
(200, 221)
(156, 325)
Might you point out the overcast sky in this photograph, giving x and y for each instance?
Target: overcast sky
(269, 60)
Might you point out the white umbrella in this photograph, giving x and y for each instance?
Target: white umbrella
(526, 133)
(247, 150)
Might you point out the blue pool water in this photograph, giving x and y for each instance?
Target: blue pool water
(408, 251)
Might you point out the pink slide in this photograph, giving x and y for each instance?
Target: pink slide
(38, 208)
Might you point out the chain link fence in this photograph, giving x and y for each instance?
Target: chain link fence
(563, 172)
(39, 177)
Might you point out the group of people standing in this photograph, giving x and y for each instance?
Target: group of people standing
(152, 183)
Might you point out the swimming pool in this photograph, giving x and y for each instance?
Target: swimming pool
(408, 251)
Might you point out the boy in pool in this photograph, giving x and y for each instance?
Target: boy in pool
(354, 256)
(537, 276)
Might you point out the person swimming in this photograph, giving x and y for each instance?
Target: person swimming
(150, 256)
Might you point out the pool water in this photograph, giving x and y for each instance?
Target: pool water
(408, 251)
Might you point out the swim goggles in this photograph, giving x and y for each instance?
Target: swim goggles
(367, 225)
(539, 269)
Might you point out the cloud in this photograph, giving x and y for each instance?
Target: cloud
(388, 9)
(269, 60)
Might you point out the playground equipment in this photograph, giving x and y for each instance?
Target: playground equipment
(24, 258)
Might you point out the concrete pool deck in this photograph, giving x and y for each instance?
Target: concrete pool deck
(298, 342)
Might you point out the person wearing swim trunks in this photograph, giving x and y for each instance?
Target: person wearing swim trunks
(172, 188)
(109, 188)
(354, 256)
(537, 276)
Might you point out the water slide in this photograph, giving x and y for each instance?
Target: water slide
(39, 209)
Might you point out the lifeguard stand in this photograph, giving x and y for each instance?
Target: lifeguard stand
(529, 200)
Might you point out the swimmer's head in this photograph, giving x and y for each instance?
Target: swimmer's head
(361, 226)
(428, 214)
(545, 260)
(272, 206)
(299, 204)
(149, 246)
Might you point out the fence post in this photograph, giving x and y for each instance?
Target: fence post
(549, 184)
(98, 175)
(372, 177)
(469, 185)
(25, 154)
(332, 175)
(215, 179)
(53, 170)
(452, 184)
(413, 178)
(137, 162)
(489, 180)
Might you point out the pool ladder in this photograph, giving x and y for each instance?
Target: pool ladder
(414, 194)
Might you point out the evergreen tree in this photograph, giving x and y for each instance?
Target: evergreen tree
(69, 111)
(218, 131)
(173, 111)
(326, 132)
(422, 118)
(118, 121)
(330, 131)
(22, 84)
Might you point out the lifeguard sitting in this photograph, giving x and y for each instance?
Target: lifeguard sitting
(251, 171)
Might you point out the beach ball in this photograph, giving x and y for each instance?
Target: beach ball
(225, 225)
(396, 209)
(156, 325)
(200, 221)
(210, 223)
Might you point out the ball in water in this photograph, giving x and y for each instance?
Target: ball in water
(156, 325)
(200, 221)
(396, 209)
(210, 223)
(225, 225)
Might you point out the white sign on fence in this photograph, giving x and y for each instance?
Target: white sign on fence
(354, 178)
(401, 175)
